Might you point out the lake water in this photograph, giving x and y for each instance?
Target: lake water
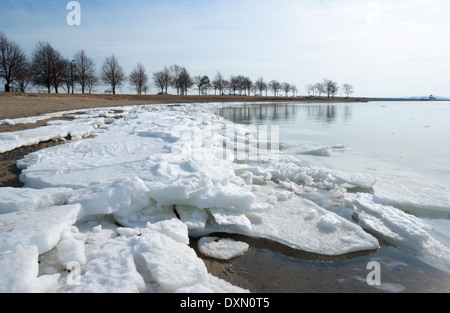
(407, 139)
(404, 139)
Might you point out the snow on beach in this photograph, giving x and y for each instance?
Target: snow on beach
(114, 212)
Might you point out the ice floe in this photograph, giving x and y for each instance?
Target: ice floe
(400, 229)
(322, 151)
(416, 197)
(42, 228)
(222, 248)
(54, 131)
(27, 199)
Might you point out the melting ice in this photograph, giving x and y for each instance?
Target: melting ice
(119, 207)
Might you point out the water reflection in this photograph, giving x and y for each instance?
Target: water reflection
(276, 112)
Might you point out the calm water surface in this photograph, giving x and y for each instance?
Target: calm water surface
(406, 139)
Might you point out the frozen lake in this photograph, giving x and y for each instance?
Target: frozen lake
(405, 139)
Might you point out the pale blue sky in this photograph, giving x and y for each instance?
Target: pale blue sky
(383, 48)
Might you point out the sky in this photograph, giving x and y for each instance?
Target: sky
(383, 48)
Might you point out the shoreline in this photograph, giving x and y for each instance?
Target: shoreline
(17, 105)
(266, 261)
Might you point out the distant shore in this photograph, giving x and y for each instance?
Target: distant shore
(16, 105)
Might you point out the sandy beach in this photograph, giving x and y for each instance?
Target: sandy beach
(15, 105)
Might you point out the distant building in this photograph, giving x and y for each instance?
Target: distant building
(432, 97)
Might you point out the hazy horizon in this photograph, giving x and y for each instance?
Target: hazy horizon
(383, 49)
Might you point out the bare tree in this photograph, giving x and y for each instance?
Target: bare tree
(71, 76)
(49, 67)
(84, 67)
(60, 71)
(320, 88)
(112, 73)
(275, 86)
(41, 65)
(247, 84)
(162, 79)
(12, 60)
(92, 81)
(286, 87)
(260, 85)
(185, 80)
(181, 79)
(348, 89)
(331, 87)
(204, 84)
(139, 78)
(234, 83)
(241, 83)
(24, 76)
(219, 82)
(176, 75)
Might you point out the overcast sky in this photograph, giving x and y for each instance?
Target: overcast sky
(383, 48)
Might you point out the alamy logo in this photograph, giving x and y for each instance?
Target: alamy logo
(374, 277)
(251, 144)
(74, 16)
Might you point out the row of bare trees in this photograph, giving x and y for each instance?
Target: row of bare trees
(178, 77)
(242, 85)
(48, 69)
(329, 88)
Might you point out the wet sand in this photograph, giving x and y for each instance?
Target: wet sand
(268, 267)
